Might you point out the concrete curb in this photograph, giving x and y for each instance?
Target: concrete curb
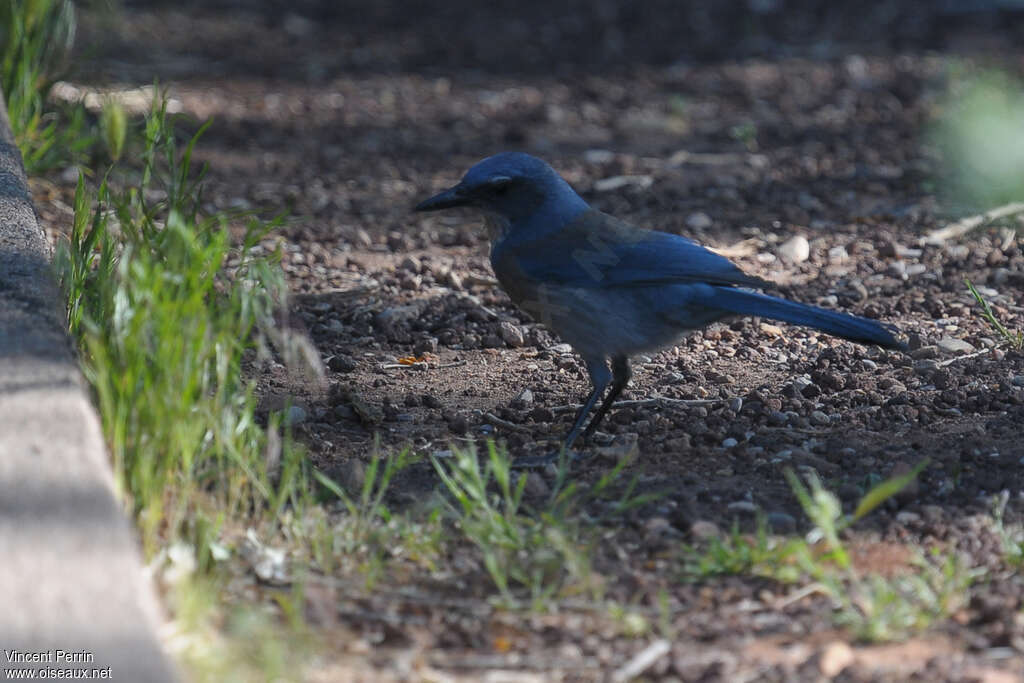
(70, 570)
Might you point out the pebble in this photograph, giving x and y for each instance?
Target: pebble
(411, 263)
(819, 418)
(560, 349)
(525, 398)
(907, 518)
(1017, 381)
(795, 250)
(620, 181)
(512, 334)
(703, 530)
(930, 351)
(736, 405)
(834, 658)
(296, 415)
(535, 486)
(341, 363)
(952, 345)
(781, 522)
(838, 254)
(425, 345)
(454, 281)
(699, 220)
(729, 443)
(743, 506)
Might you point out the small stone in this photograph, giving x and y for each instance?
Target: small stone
(908, 518)
(524, 399)
(703, 530)
(341, 363)
(561, 349)
(620, 181)
(699, 220)
(425, 345)
(952, 345)
(930, 351)
(743, 506)
(835, 657)
(454, 281)
(795, 250)
(729, 443)
(512, 334)
(565, 363)
(819, 418)
(1017, 381)
(457, 423)
(736, 405)
(411, 264)
(781, 522)
(535, 486)
(296, 415)
(362, 239)
(598, 156)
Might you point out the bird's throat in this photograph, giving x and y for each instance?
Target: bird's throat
(497, 226)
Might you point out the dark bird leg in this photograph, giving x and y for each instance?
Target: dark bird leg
(600, 378)
(620, 378)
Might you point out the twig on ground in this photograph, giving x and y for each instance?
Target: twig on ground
(950, 361)
(965, 225)
(505, 424)
(642, 661)
(421, 365)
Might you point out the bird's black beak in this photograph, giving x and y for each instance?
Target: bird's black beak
(450, 198)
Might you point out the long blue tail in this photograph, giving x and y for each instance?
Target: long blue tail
(840, 324)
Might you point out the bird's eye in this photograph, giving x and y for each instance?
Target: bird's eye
(499, 186)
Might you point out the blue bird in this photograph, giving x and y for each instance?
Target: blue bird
(609, 289)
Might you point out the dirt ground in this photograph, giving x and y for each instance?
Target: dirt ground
(738, 129)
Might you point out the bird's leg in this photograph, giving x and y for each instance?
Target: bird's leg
(620, 378)
(600, 378)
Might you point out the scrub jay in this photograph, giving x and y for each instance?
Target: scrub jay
(610, 289)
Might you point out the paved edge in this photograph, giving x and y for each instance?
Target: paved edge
(71, 575)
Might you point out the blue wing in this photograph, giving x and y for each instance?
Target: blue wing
(597, 250)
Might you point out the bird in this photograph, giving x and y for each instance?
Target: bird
(610, 289)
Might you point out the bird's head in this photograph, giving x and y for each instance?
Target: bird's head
(513, 186)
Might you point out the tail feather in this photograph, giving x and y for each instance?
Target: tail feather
(843, 325)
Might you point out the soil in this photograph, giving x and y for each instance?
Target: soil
(742, 130)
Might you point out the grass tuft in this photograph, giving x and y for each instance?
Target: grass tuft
(166, 306)
(35, 40)
(1015, 340)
